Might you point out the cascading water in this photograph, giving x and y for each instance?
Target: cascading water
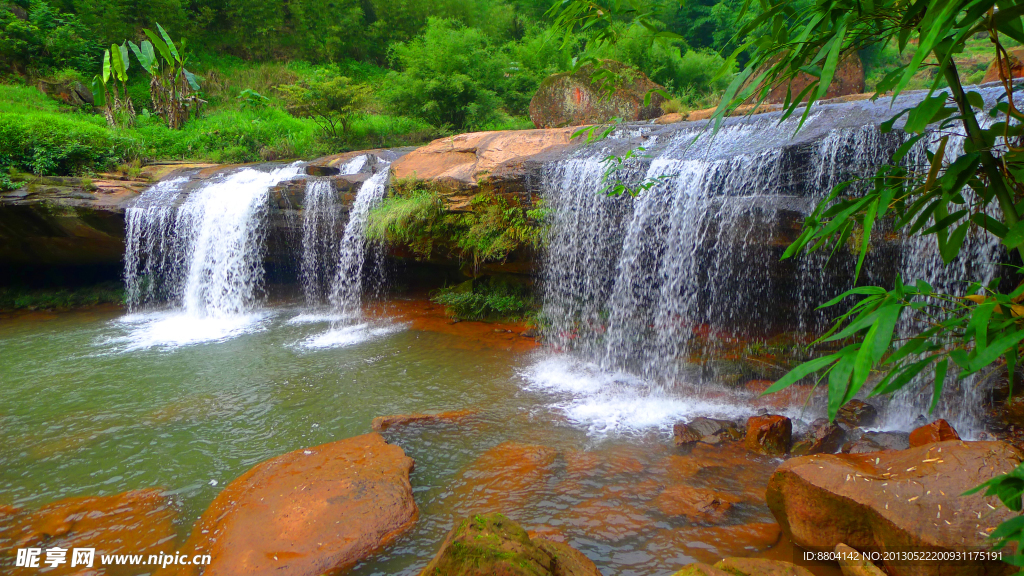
(199, 253)
(321, 224)
(642, 291)
(346, 293)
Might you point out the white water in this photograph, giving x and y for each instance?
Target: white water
(346, 292)
(195, 259)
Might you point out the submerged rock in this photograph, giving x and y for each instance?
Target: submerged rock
(491, 544)
(857, 413)
(907, 499)
(577, 99)
(506, 477)
(937, 431)
(878, 441)
(381, 423)
(135, 522)
(852, 563)
(712, 543)
(696, 504)
(745, 567)
(769, 434)
(309, 511)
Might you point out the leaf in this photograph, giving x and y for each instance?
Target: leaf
(831, 62)
(921, 116)
(869, 220)
(191, 79)
(170, 43)
(940, 378)
(996, 349)
(838, 381)
(106, 66)
(125, 61)
(160, 45)
(954, 243)
(898, 379)
(800, 372)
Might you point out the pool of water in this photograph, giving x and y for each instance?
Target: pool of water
(99, 402)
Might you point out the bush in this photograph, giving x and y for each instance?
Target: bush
(487, 299)
(47, 41)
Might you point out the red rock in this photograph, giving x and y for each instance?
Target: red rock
(700, 569)
(696, 504)
(575, 99)
(856, 413)
(825, 437)
(609, 520)
(848, 79)
(506, 477)
(1016, 69)
(899, 500)
(382, 423)
(853, 563)
(620, 460)
(674, 468)
(308, 512)
(770, 434)
(938, 431)
(135, 522)
(711, 543)
(761, 567)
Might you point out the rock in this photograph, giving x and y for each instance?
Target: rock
(938, 431)
(462, 162)
(857, 413)
(761, 567)
(908, 499)
(825, 437)
(670, 118)
(317, 170)
(853, 564)
(699, 569)
(135, 522)
(575, 99)
(309, 511)
(742, 110)
(381, 423)
(684, 435)
(770, 434)
(712, 543)
(877, 441)
(491, 544)
(1016, 69)
(848, 80)
(696, 504)
(506, 477)
(71, 92)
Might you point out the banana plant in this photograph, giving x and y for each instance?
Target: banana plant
(110, 88)
(173, 89)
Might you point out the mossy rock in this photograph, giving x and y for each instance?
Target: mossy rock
(578, 99)
(493, 545)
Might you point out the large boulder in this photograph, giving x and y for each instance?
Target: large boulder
(307, 512)
(848, 80)
(899, 500)
(578, 99)
(769, 434)
(937, 431)
(70, 92)
(135, 522)
(1015, 70)
(493, 545)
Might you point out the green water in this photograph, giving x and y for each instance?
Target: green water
(85, 409)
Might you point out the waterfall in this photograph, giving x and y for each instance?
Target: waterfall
(320, 233)
(197, 255)
(346, 292)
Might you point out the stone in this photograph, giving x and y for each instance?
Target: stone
(852, 563)
(670, 118)
(700, 569)
(696, 504)
(769, 434)
(857, 413)
(506, 477)
(825, 437)
(307, 512)
(1016, 69)
(684, 435)
(318, 170)
(382, 423)
(907, 499)
(73, 93)
(878, 441)
(491, 544)
(135, 522)
(575, 99)
(761, 567)
(937, 431)
(848, 80)
(712, 543)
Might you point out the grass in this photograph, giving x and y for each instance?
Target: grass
(17, 298)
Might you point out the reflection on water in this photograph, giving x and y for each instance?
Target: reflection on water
(98, 403)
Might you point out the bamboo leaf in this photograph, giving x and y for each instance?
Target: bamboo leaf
(800, 372)
(940, 378)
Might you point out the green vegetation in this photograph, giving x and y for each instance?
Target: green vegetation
(16, 298)
(490, 298)
(489, 232)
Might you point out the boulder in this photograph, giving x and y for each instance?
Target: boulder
(824, 437)
(848, 80)
(491, 544)
(696, 504)
(857, 413)
(307, 512)
(852, 563)
(761, 567)
(769, 434)
(577, 99)
(908, 499)
(701, 569)
(1016, 69)
(381, 423)
(72, 92)
(938, 431)
(135, 522)
(877, 441)
(707, 430)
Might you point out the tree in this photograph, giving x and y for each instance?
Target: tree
(331, 100)
(980, 189)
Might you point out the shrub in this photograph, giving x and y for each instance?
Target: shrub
(485, 299)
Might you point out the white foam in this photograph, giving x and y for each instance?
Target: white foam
(344, 336)
(173, 329)
(617, 403)
(319, 318)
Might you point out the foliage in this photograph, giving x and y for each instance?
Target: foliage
(17, 298)
(110, 87)
(46, 41)
(487, 299)
(173, 89)
(1008, 488)
(329, 100)
(419, 220)
(252, 100)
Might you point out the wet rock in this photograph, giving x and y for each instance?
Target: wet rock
(317, 170)
(309, 511)
(696, 504)
(761, 567)
(770, 434)
(506, 477)
(700, 569)
(602, 463)
(857, 413)
(1015, 70)
(712, 543)
(135, 522)
(908, 499)
(878, 441)
(609, 518)
(575, 99)
(853, 564)
(381, 423)
(848, 80)
(491, 544)
(824, 437)
(937, 431)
